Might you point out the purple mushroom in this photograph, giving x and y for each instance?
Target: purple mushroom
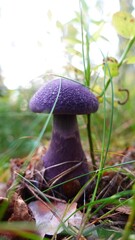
(65, 156)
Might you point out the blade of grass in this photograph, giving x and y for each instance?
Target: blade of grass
(131, 219)
(128, 47)
(38, 139)
(21, 229)
(103, 153)
(87, 73)
(5, 156)
(114, 199)
(82, 39)
(47, 121)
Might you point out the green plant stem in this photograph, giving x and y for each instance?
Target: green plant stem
(105, 88)
(87, 73)
(131, 219)
(104, 152)
(90, 141)
(82, 37)
(87, 70)
(129, 45)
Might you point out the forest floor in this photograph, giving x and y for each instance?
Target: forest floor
(46, 214)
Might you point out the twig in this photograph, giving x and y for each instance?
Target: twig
(127, 97)
(91, 142)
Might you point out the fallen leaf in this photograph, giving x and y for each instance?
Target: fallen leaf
(124, 24)
(123, 209)
(3, 189)
(54, 217)
(20, 210)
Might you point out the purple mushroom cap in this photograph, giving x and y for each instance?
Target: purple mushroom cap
(74, 98)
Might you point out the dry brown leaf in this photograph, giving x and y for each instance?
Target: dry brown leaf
(21, 211)
(50, 216)
(124, 209)
(3, 189)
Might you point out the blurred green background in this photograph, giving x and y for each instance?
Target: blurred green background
(19, 127)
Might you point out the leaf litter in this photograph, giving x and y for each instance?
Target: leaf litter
(55, 217)
(24, 200)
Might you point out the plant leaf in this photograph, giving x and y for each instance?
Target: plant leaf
(110, 67)
(124, 24)
(130, 60)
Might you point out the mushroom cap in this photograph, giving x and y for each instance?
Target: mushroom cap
(73, 98)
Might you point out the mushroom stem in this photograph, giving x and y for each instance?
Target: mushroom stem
(65, 150)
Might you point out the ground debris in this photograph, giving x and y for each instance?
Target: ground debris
(55, 216)
(21, 212)
(16, 210)
(3, 189)
(15, 194)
